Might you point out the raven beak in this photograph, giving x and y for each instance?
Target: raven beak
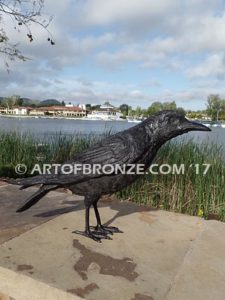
(194, 126)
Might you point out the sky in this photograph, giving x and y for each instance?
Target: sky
(123, 51)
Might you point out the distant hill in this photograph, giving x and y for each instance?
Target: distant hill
(50, 102)
(28, 102)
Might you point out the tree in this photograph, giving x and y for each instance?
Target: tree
(124, 108)
(8, 102)
(214, 106)
(138, 111)
(18, 100)
(22, 13)
(169, 105)
(222, 113)
(131, 112)
(95, 107)
(88, 107)
(155, 107)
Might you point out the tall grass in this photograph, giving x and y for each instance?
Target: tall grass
(26, 149)
(191, 193)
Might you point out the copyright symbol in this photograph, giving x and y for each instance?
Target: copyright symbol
(21, 169)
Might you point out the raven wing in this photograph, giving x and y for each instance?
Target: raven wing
(116, 150)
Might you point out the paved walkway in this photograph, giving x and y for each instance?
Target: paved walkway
(51, 206)
(159, 256)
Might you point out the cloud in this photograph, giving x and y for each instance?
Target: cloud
(100, 12)
(102, 47)
(212, 66)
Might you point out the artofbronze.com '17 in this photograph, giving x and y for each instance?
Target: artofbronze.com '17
(109, 169)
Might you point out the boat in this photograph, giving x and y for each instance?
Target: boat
(208, 124)
(104, 116)
(134, 120)
(218, 124)
(106, 112)
(213, 124)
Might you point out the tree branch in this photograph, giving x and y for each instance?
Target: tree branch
(23, 13)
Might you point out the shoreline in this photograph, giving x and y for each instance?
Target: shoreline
(58, 118)
(84, 119)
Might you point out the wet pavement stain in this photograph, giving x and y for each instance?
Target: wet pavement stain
(82, 292)
(160, 241)
(24, 267)
(108, 265)
(4, 297)
(142, 297)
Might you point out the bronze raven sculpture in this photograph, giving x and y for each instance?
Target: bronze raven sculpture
(137, 145)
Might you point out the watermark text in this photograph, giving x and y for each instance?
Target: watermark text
(112, 169)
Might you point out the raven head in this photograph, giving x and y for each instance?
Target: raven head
(173, 123)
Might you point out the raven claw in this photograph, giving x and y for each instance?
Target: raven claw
(101, 230)
(90, 235)
(113, 229)
(107, 229)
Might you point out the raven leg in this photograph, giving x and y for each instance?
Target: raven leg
(102, 229)
(88, 201)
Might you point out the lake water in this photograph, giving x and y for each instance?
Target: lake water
(50, 127)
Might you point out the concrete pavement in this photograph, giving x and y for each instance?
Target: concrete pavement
(11, 198)
(20, 287)
(160, 255)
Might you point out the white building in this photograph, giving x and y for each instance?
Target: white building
(16, 110)
(82, 106)
(20, 110)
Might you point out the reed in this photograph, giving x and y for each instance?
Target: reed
(192, 192)
(16, 148)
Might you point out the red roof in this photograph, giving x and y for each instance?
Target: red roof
(59, 108)
(22, 107)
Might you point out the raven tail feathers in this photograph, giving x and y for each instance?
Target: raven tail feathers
(33, 199)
